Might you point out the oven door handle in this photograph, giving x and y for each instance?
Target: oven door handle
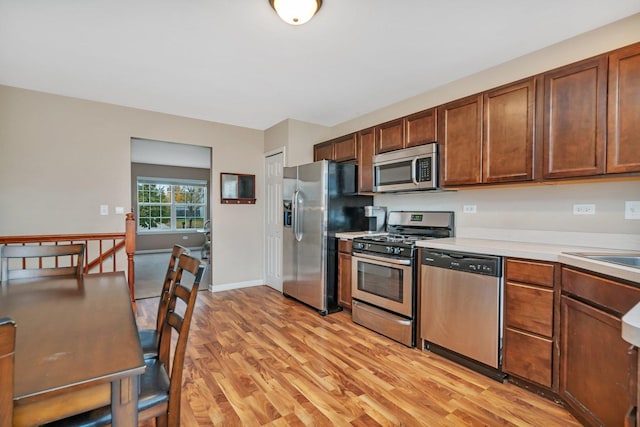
(383, 259)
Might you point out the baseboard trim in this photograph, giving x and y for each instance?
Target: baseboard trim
(237, 285)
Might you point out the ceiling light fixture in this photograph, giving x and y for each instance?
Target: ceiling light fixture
(296, 12)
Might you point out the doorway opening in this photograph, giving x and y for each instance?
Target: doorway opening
(171, 200)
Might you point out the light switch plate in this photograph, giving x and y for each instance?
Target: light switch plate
(104, 209)
(632, 210)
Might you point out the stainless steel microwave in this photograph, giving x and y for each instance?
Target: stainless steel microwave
(409, 169)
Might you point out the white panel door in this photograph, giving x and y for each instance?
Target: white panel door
(273, 220)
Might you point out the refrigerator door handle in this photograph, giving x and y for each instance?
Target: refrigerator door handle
(296, 216)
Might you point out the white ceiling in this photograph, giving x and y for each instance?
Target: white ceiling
(236, 62)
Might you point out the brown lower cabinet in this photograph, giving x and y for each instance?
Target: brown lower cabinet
(344, 273)
(598, 369)
(529, 351)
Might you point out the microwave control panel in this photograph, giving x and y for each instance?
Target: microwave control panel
(423, 169)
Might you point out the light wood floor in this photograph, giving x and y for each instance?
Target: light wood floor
(256, 358)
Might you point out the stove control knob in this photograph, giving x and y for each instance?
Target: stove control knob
(397, 251)
(389, 250)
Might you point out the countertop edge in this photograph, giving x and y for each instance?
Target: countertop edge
(631, 326)
(538, 252)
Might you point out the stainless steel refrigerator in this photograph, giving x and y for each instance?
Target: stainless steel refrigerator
(319, 200)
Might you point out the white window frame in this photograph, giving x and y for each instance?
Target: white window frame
(172, 204)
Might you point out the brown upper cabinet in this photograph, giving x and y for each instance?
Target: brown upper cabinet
(460, 138)
(323, 151)
(345, 148)
(575, 115)
(420, 128)
(488, 138)
(341, 149)
(410, 131)
(389, 136)
(366, 147)
(508, 131)
(576, 121)
(623, 141)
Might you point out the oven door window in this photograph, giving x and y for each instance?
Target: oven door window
(383, 281)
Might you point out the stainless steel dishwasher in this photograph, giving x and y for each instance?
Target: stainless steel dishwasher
(461, 308)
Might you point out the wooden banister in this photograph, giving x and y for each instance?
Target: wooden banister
(130, 242)
(118, 241)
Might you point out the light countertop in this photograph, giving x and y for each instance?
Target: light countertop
(349, 235)
(540, 252)
(631, 326)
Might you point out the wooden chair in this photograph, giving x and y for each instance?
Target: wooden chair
(74, 251)
(7, 349)
(149, 337)
(160, 386)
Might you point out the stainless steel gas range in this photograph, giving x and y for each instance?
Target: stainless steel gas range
(384, 273)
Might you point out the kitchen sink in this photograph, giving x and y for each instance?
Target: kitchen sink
(628, 259)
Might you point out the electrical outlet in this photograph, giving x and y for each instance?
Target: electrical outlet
(119, 210)
(469, 209)
(632, 210)
(584, 209)
(104, 209)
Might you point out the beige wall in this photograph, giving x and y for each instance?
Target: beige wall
(618, 34)
(298, 139)
(61, 158)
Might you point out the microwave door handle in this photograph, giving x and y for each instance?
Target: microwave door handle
(414, 162)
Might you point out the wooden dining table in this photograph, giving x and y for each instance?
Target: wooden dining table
(77, 347)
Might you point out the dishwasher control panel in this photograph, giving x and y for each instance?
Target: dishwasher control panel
(461, 261)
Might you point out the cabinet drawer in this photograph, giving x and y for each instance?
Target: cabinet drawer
(528, 356)
(529, 308)
(344, 245)
(537, 273)
(614, 296)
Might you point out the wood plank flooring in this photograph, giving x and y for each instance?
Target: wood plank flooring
(257, 358)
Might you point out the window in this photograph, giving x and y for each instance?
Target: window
(171, 205)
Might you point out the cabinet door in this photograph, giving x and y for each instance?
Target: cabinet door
(623, 141)
(366, 147)
(323, 151)
(575, 119)
(389, 136)
(460, 137)
(528, 356)
(345, 148)
(597, 367)
(508, 133)
(420, 128)
(344, 280)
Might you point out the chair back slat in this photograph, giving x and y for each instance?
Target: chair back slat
(180, 323)
(73, 252)
(167, 285)
(7, 362)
